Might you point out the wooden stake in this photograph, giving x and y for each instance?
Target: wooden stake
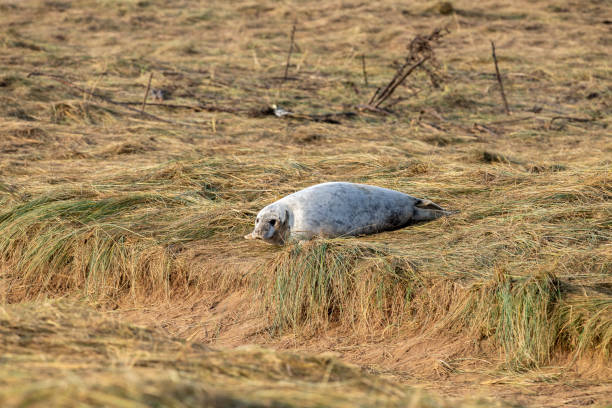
(365, 73)
(144, 101)
(290, 51)
(499, 79)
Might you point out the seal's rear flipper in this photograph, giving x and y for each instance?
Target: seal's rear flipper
(426, 210)
(429, 205)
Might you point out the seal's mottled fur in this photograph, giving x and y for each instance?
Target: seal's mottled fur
(340, 209)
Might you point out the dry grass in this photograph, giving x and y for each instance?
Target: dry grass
(323, 283)
(100, 202)
(63, 354)
(366, 290)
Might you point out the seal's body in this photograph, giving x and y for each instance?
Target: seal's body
(340, 209)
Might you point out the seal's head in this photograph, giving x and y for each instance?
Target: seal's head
(271, 224)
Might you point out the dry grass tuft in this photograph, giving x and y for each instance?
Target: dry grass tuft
(104, 246)
(310, 286)
(365, 289)
(530, 319)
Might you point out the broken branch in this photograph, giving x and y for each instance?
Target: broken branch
(397, 81)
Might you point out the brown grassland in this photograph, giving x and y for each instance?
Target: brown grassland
(125, 280)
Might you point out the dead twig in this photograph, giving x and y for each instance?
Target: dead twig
(333, 118)
(290, 51)
(480, 127)
(569, 119)
(195, 108)
(64, 81)
(499, 79)
(144, 101)
(572, 119)
(396, 81)
(374, 96)
(374, 109)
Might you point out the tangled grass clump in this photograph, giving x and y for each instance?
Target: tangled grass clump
(315, 284)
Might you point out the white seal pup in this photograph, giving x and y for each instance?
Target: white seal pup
(340, 209)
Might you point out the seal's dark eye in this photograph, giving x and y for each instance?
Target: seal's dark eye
(257, 220)
(272, 222)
